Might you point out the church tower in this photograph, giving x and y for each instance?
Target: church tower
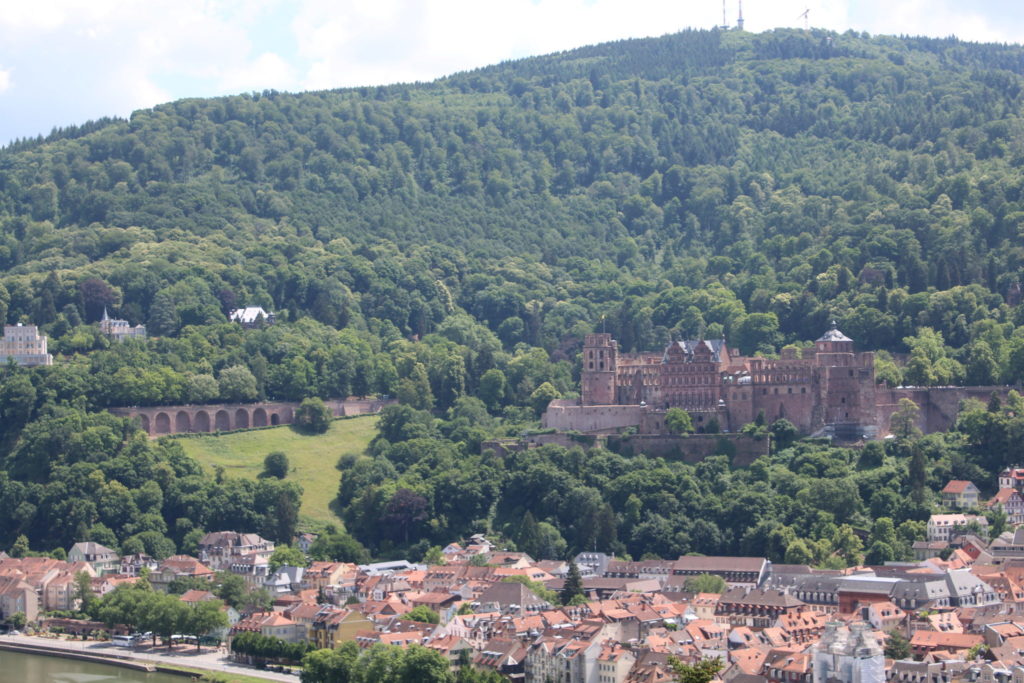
(597, 385)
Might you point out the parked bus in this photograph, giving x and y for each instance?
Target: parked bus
(124, 641)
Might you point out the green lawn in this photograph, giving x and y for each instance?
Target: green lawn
(312, 458)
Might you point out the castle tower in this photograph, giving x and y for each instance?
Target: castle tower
(597, 381)
(846, 381)
(834, 341)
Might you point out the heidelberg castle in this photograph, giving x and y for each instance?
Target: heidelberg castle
(825, 389)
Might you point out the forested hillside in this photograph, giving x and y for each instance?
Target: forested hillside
(453, 241)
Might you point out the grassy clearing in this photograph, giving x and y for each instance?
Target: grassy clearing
(312, 458)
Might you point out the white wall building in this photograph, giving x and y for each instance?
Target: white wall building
(25, 345)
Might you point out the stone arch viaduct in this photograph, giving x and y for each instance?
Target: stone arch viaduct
(226, 417)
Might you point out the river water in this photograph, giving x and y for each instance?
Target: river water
(16, 667)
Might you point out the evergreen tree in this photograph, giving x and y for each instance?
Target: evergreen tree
(528, 538)
(917, 473)
(573, 587)
(897, 646)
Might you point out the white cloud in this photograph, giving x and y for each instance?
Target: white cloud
(965, 20)
(362, 43)
(80, 59)
(369, 43)
(268, 71)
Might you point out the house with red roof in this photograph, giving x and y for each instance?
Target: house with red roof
(272, 624)
(959, 493)
(16, 596)
(784, 666)
(502, 655)
(925, 642)
(320, 575)
(1011, 502)
(178, 565)
(1012, 478)
(331, 626)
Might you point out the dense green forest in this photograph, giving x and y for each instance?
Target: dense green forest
(807, 502)
(450, 243)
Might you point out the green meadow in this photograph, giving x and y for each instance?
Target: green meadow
(311, 458)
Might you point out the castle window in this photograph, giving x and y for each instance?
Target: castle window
(764, 391)
(601, 365)
(590, 353)
(803, 390)
(591, 364)
(842, 400)
(851, 373)
(789, 390)
(776, 390)
(600, 354)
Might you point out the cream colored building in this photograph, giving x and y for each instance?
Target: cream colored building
(119, 330)
(25, 345)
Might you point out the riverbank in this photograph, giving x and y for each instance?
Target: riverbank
(184, 660)
(80, 656)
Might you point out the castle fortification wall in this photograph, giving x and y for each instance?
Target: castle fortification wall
(740, 448)
(564, 417)
(939, 405)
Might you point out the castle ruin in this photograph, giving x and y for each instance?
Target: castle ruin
(828, 388)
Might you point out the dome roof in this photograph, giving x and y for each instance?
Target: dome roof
(834, 335)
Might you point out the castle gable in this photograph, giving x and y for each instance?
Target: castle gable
(691, 350)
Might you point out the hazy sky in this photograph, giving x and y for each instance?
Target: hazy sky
(68, 61)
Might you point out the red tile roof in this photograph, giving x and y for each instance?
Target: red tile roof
(957, 486)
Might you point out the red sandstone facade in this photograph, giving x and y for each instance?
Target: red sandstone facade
(162, 420)
(827, 388)
(828, 384)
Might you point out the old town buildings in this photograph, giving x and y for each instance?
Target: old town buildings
(771, 623)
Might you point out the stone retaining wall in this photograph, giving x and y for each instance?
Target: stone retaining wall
(741, 449)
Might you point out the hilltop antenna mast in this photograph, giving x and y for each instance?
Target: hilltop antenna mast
(805, 15)
(739, 19)
(724, 26)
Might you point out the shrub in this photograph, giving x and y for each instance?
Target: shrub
(313, 416)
